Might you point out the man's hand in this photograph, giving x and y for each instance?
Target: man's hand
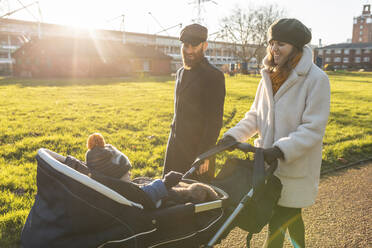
(204, 167)
(172, 179)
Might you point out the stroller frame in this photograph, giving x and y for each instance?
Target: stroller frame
(247, 197)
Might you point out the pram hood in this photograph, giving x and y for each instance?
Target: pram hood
(74, 210)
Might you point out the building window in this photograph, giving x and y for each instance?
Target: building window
(360, 38)
(49, 63)
(369, 20)
(346, 51)
(328, 51)
(357, 59)
(366, 51)
(338, 51)
(4, 55)
(146, 66)
(358, 51)
(327, 59)
(361, 32)
(337, 59)
(366, 59)
(320, 52)
(361, 27)
(355, 21)
(345, 60)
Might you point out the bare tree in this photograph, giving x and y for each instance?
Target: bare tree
(247, 29)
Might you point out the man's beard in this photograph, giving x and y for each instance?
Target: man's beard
(192, 62)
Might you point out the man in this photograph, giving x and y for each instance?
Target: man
(198, 109)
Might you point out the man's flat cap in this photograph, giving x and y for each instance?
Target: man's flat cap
(194, 34)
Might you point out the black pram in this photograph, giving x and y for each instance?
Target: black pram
(76, 210)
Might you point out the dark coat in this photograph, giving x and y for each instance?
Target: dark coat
(198, 115)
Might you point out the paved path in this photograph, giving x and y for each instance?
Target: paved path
(341, 217)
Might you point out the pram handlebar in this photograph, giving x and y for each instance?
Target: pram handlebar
(245, 147)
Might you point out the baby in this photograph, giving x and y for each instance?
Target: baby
(107, 160)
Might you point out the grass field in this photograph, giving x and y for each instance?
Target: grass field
(134, 116)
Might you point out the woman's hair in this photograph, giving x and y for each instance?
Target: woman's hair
(287, 66)
(95, 139)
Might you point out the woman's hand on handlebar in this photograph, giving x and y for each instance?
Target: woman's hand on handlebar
(272, 154)
(227, 139)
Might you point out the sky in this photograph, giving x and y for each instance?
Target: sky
(329, 20)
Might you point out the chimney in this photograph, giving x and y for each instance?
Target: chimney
(366, 9)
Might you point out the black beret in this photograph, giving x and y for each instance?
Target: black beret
(291, 31)
(194, 34)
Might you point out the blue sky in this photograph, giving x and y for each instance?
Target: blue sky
(330, 20)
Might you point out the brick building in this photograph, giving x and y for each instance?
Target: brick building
(15, 33)
(87, 57)
(362, 27)
(345, 56)
(356, 55)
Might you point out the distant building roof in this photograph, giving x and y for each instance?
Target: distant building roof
(72, 31)
(348, 45)
(91, 47)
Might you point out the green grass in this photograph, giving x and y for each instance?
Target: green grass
(134, 115)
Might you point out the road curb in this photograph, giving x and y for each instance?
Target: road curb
(360, 162)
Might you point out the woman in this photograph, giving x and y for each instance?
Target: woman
(289, 114)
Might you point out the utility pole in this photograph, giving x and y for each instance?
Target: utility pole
(153, 17)
(162, 29)
(122, 26)
(39, 20)
(165, 30)
(200, 9)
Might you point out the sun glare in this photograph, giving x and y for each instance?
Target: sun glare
(81, 21)
(77, 14)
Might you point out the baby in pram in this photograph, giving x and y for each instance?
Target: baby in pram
(109, 161)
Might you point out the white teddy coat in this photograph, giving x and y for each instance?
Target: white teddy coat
(293, 120)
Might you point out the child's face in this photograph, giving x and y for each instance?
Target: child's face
(126, 177)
